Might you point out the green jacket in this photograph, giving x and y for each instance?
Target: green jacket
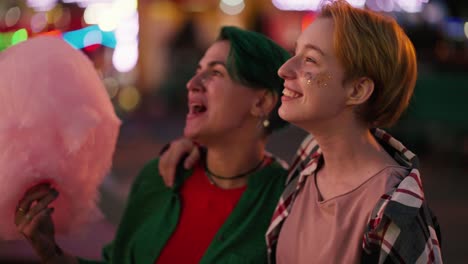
(153, 210)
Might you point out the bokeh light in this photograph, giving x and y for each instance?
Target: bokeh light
(466, 29)
(38, 22)
(42, 5)
(19, 36)
(93, 37)
(129, 98)
(94, 11)
(232, 7)
(125, 57)
(385, 5)
(112, 86)
(409, 6)
(357, 3)
(90, 36)
(12, 16)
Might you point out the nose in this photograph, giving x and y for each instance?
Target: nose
(196, 84)
(287, 70)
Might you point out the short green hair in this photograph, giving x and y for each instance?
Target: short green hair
(253, 61)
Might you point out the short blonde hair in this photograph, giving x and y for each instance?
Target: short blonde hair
(371, 45)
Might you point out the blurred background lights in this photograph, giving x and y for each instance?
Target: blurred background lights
(357, 3)
(85, 3)
(120, 17)
(63, 18)
(42, 5)
(232, 2)
(434, 13)
(108, 15)
(114, 23)
(94, 11)
(409, 6)
(125, 57)
(88, 36)
(232, 7)
(128, 32)
(385, 5)
(38, 22)
(455, 28)
(297, 4)
(12, 16)
(112, 86)
(129, 98)
(93, 37)
(19, 36)
(466, 29)
(108, 20)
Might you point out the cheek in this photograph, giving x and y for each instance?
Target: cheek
(230, 103)
(320, 79)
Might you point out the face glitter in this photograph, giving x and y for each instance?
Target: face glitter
(319, 79)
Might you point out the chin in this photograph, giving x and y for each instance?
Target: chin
(293, 117)
(286, 115)
(190, 133)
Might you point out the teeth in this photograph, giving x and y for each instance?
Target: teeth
(197, 108)
(290, 93)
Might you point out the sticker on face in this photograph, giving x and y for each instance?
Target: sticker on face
(320, 79)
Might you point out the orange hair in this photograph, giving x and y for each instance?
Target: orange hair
(371, 45)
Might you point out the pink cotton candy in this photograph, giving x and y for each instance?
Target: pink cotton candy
(58, 125)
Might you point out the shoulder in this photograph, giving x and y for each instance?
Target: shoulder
(149, 178)
(402, 219)
(149, 173)
(273, 174)
(277, 167)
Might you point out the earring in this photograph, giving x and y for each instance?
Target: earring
(308, 82)
(266, 123)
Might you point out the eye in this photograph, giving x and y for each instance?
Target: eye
(311, 60)
(216, 73)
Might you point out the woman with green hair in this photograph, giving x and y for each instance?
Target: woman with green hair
(219, 211)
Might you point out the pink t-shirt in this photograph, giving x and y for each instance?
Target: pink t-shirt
(331, 231)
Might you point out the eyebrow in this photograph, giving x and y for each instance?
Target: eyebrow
(312, 47)
(214, 63)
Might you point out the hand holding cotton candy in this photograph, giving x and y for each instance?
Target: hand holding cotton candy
(57, 125)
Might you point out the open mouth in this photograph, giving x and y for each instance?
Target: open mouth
(196, 108)
(291, 94)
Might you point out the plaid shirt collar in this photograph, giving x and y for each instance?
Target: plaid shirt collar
(399, 207)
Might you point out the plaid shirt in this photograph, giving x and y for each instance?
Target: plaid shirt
(401, 228)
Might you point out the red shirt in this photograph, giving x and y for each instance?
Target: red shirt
(205, 207)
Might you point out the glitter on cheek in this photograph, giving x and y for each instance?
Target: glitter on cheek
(309, 77)
(320, 79)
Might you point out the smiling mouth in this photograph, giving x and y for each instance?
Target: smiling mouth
(291, 94)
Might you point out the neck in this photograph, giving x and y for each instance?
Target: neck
(231, 160)
(350, 151)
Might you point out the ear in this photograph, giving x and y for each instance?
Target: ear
(264, 103)
(360, 91)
